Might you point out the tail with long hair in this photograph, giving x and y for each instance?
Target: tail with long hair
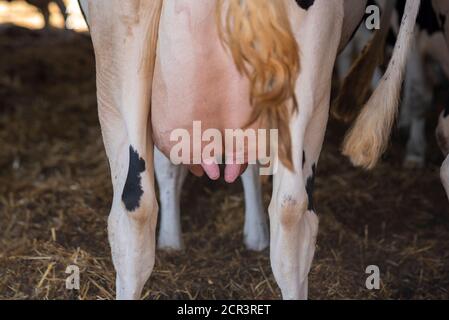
(259, 37)
(368, 138)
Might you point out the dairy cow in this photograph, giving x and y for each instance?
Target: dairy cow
(429, 50)
(163, 65)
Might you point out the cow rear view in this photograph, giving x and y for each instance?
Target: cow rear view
(230, 65)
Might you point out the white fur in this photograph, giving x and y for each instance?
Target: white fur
(170, 179)
(255, 230)
(427, 55)
(417, 101)
(444, 175)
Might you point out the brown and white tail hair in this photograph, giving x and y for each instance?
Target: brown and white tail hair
(261, 42)
(368, 138)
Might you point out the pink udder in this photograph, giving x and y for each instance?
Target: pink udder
(231, 173)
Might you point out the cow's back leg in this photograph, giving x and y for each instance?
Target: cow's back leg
(293, 221)
(123, 35)
(417, 101)
(170, 179)
(442, 136)
(444, 175)
(255, 229)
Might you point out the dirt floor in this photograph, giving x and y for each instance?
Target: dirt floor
(55, 195)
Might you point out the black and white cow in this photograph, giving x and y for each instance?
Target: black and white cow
(429, 50)
(162, 65)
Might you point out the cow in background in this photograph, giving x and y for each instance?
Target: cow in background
(429, 52)
(42, 5)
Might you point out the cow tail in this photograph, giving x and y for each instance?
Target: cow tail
(367, 140)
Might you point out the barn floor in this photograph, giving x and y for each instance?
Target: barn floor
(55, 195)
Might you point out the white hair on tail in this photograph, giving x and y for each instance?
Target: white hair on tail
(368, 138)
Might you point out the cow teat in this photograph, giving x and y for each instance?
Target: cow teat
(231, 171)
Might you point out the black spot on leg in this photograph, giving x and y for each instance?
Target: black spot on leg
(132, 192)
(305, 4)
(310, 186)
(303, 159)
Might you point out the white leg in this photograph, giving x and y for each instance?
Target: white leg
(417, 144)
(255, 231)
(417, 101)
(293, 222)
(124, 71)
(444, 175)
(376, 78)
(442, 135)
(170, 179)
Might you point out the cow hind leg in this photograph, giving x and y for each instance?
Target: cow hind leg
(417, 101)
(133, 216)
(125, 45)
(293, 235)
(170, 179)
(132, 219)
(293, 221)
(255, 231)
(444, 175)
